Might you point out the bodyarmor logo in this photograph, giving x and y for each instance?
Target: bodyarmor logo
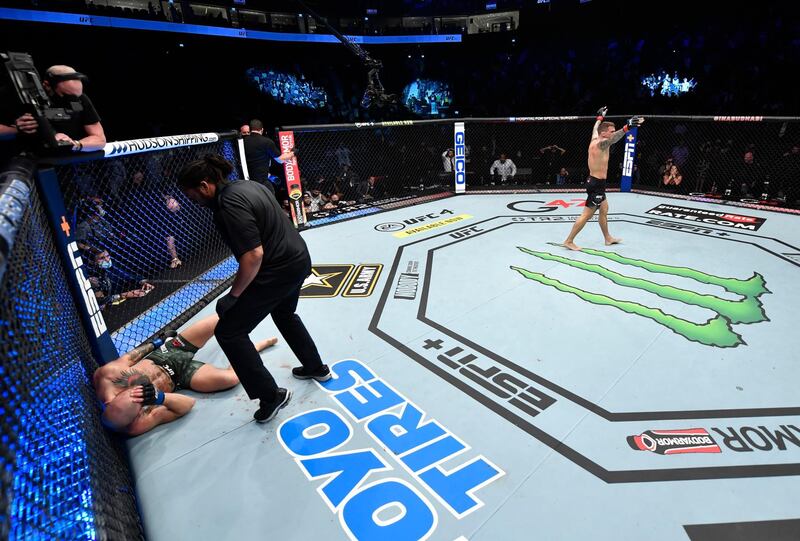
(675, 442)
(717, 331)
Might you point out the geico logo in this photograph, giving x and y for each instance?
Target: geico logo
(460, 148)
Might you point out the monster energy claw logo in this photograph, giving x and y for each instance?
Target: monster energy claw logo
(717, 331)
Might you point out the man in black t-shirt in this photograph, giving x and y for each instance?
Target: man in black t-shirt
(82, 129)
(273, 264)
(259, 152)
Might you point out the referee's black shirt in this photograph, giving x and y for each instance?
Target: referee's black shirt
(247, 215)
(259, 152)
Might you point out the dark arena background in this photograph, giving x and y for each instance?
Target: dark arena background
(487, 382)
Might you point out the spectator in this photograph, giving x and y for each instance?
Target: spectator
(172, 224)
(672, 178)
(244, 130)
(112, 284)
(93, 228)
(342, 156)
(348, 182)
(286, 207)
(448, 160)
(552, 157)
(790, 171)
(316, 200)
(504, 169)
(665, 167)
(370, 189)
(750, 175)
(562, 177)
(333, 202)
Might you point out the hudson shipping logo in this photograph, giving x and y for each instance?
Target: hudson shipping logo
(134, 146)
(717, 331)
(387, 490)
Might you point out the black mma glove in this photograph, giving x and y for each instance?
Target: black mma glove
(151, 396)
(166, 335)
(634, 122)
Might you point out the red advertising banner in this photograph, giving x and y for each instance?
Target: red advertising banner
(293, 185)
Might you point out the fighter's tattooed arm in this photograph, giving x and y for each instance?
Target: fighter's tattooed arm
(605, 144)
(137, 354)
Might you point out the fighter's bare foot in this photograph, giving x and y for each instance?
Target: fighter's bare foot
(264, 344)
(612, 240)
(571, 246)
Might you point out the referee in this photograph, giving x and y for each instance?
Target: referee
(273, 263)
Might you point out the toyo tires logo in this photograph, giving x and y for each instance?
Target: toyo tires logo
(394, 488)
(717, 331)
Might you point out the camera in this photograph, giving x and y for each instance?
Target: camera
(33, 99)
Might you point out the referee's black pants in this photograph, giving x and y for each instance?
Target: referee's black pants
(277, 296)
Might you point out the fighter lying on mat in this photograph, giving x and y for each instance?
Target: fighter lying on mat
(138, 389)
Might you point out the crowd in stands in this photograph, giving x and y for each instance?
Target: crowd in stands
(425, 97)
(288, 89)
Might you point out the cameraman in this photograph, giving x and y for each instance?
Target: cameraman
(82, 129)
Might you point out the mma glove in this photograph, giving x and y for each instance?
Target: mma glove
(225, 304)
(151, 396)
(166, 335)
(601, 113)
(634, 122)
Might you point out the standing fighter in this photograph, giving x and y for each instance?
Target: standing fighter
(603, 136)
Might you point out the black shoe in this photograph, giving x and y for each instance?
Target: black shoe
(268, 410)
(323, 373)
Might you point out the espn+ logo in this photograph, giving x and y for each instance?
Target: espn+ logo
(630, 147)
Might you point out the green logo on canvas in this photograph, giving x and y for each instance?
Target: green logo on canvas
(717, 331)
